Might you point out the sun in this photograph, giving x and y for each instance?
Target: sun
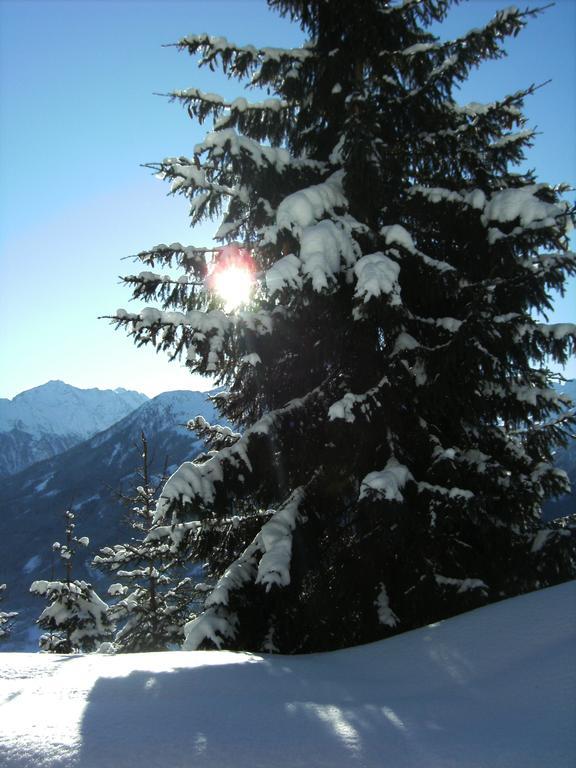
(233, 277)
(233, 284)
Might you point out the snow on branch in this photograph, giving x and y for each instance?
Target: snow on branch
(402, 6)
(395, 235)
(211, 626)
(376, 275)
(386, 615)
(170, 292)
(276, 542)
(284, 273)
(324, 248)
(525, 204)
(222, 148)
(235, 144)
(242, 571)
(269, 421)
(507, 110)
(473, 457)
(486, 40)
(557, 331)
(387, 483)
(239, 104)
(326, 244)
(196, 483)
(154, 278)
(443, 492)
(187, 257)
(551, 262)
(504, 23)
(476, 109)
(549, 535)
(474, 198)
(418, 48)
(214, 435)
(462, 585)
(482, 119)
(177, 532)
(200, 103)
(212, 325)
(427, 9)
(476, 46)
(265, 561)
(528, 393)
(187, 174)
(237, 60)
(258, 119)
(344, 408)
(519, 137)
(310, 205)
(202, 336)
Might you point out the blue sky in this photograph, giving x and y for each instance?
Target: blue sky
(78, 117)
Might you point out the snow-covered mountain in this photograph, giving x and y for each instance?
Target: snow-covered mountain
(46, 420)
(494, 687)
(87, 478)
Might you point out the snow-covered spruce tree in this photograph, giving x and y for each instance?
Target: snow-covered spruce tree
(152, 603)
(76, 619)
(388, 374)
(6, 617)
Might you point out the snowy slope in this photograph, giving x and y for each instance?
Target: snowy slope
(86, 477)
(494, 688)
(49, 419)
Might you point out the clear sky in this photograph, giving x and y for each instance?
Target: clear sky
(78, 117)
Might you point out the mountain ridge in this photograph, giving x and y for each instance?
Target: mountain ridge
(48, 419)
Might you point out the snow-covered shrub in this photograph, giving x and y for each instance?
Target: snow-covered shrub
(6, 617)
(76, 618)
(151, 597)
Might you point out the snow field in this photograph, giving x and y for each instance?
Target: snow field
(493, 688)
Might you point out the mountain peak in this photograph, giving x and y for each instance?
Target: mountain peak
(53, 416)
(49, 387)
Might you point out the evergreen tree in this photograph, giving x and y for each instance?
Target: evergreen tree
(387, 371)
(152, 605)
(6, 617)
(76, 618)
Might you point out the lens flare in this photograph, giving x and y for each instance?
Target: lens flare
(233, 277)
(233, 285)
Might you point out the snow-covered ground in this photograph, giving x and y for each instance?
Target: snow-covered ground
(494, 688)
